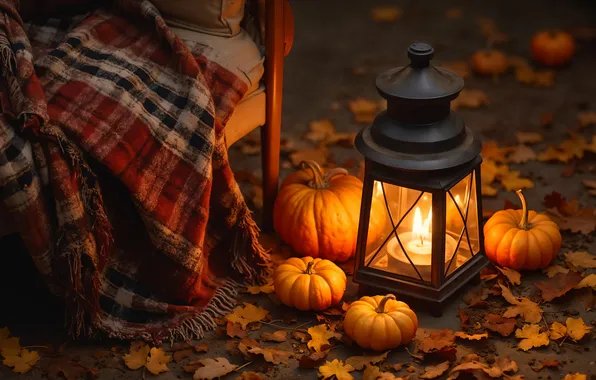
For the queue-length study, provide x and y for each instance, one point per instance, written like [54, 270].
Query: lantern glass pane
[463, 235]
[400, 231]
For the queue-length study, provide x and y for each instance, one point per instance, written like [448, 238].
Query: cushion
[248, 115]
[217, 17]
[238, 54]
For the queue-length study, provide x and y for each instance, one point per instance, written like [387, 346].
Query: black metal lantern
[420, 232]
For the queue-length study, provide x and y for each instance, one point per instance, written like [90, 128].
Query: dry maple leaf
[582, 220]
[469, 98]
[471, 364]
[529, 137]
[491, 151]
[364, 110]
[591, 185]
[475, 297]
[463, 335]
[589, 281]
[586, 118]
[529, 310]
[136, 358]
[313, 359]
[247, 314]
[531, 336]
[441, 342]
[180, 355]
[320, 155]
[320, 130]
[514, 182]
[386, 13]
[558, 285]
[553, 154]
[575, 376]
[372, 372]
[157, 362]
[266, 288]
[576, 328]
[320, 336]
[10, 346]
[272, 355]
[522, 153]
[336, 368]
[434, 371]
[557, 330]
[21, 363]
[547, 363]
[213, 368]
[581, 259]
[553, 270]
[278, 336]
[512, 275]
[234, 330]
[503, 326]
[358, 362]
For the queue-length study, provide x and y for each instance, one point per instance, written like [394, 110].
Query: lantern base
[419, 295]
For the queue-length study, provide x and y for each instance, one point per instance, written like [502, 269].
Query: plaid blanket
[114, 168]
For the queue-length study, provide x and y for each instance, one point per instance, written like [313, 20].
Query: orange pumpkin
[309, 284]
[489, 62]
[521, 239]
[317, 213]
[552, 48]
[380, 322]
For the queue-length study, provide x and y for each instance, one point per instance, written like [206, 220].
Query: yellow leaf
[22, 363]
[267, 288]
[434, 371]
[576, 328]
[247, 314]
[493, 152]
[513, 181]
[463, 335]
[575, 376]
[320, 130]
[358, 362]
[278, 336]
[336, 368]
[10, 347]
[135, 359]
[213, 369]
[157, 362]
[386, 13]
[529, 310]
[531, 337]
[553, 154]
[512, 275]
[581, 259]
[529, 137]
[589, 281]
[488, 190]
[553, 270]
[364, 110]
[320, 336]
[521, 154]
[557, 330]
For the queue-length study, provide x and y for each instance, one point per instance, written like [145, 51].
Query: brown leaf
[278, 336]
[496, 323]
[214, 368]
[546, 363]
[558, 285]
[439, 342]
[300, 336]
[180, 355]
[583, 221]
[523, 306]
[591, 185]
[512, 275]
[529, 137]
[271, 355]
[386, 13]
[531, 337]
[475, 297]
[586, 118]
[320, 130]
[312, 360]
[521, 154]
[581, 259]
[589, 299]
[464, 317]
[246, 344]
[65, 367]
[234, 330]
[469, 98]
[432, 372]
[358, 362]
[553, 270]
[488, 273]
[320, 155]
[201, 347]
[250, 376]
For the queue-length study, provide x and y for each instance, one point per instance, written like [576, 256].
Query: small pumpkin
[317, 213]
[489, 62]
[552, 48]
[521, 239]
[380, 322]
[307, 283]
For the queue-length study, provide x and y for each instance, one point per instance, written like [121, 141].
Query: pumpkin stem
[309, 266]
[523, 224]
[318, 181]
[381, 307]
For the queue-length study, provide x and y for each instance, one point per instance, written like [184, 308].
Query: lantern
[423, 165]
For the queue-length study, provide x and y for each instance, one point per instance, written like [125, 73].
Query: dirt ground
[333, 37]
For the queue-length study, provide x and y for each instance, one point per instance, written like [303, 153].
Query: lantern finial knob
[420, 54]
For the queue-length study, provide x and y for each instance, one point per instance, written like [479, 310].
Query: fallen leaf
[336, 368]
[247, 314]
[529, 137]
[271, 355]
[544, 78]
[581, 259]
[364, 110]
[591, 185]
[583, 221]
[157, 362]
[488, 273]
[463, 335]
[234, 330]
[576, 328]
[513, 181]
[440, 342]
[180, 355]
[522, 153]
[553, 270]
[558, 285]
[201, 347]
[320, 336]
[531, 337]
[10, 346]
[575, 376]
[512, 275]
[320, 155]
[250, 376]
[496, 323]
[476, 297]
[136, 358]
[432, 372]
[557, 330]
[21, 363]
[313, 359]
[589, 281]
[320, 130]
[469, 98]
[586, 118]
[372, 372]
[266, 288]
[529, 310]
[464, 317]
[278, 336]
[358, 362]
[213, 368]
[547, 363]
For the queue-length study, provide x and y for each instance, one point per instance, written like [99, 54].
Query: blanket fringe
[249, 258]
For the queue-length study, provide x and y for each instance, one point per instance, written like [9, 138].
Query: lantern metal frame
[419, 144]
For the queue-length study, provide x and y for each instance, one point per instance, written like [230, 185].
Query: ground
[333, 38]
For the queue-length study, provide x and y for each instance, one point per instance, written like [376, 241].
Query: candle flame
[421, 229]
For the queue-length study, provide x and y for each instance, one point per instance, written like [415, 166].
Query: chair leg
[270, 132]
